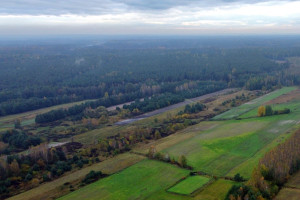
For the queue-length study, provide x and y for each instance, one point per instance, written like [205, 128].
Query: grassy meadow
[219, 148]
[189, 185]
[233, 143]
[240, 110]
[143, 180]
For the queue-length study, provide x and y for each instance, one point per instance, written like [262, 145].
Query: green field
[140, 181]
[215, 191]
[219, 148]
[234, 146]
[231, 143]
[240, 110]
[293, 106]
[56, 188]
[189, 185]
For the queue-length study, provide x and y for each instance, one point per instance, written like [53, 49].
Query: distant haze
[176, 17]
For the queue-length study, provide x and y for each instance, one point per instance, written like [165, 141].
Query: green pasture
[240, 110]
[234, 145]
[293, 106]
[189, 185]
[216, 190]
[142, 180]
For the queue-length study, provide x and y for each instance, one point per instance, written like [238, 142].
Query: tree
[182, 161]
[157, 135]
[269, 110]
[18, 124]
[238, 178]
[261, 111]
[152, 152]
[106, 96]
[14, 167]
[28, 177]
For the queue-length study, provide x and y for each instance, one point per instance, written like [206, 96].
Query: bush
[92, 176]
[28, 177]
[242, 192]
[238, 178]
[45, 178]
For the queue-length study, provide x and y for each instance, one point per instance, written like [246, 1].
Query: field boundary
[192, 194]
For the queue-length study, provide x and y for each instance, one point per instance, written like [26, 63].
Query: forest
[232, 93]
[37, 76]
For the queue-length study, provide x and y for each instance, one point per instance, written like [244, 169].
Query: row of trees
[138, 107]
[153, 154]
[18, 141]
[41, 164]
[268, 111]
[273, 171]
[194, 108]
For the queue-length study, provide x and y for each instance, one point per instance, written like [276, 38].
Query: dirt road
[187, 101]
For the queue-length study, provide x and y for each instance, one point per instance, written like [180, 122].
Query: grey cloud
[98, 7]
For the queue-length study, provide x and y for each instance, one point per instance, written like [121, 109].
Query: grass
[240, 110]
[294, 181]
[189, 185]
[175, 138]
[233, 146]
[293, 106]
[288, 193]
[140, 181]
[221, 148]
[27, 118]
[216, 191]
[292, 193]
[54, 188]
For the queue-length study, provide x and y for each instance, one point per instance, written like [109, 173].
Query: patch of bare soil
[294, 95]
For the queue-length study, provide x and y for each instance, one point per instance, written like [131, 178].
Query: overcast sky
[149, 17]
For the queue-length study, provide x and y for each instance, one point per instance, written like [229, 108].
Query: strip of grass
[139, 181]
[240, 110]
[189, 185]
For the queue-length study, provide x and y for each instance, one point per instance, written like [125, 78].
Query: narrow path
[161, 110]
[290, 187]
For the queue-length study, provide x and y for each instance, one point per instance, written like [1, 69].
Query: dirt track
[187, 101]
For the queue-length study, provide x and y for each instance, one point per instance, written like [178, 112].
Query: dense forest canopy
[36, 75]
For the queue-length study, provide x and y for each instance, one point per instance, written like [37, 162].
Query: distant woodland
[37, 76]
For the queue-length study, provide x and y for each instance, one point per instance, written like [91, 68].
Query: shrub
[238, 178]
[92, 176]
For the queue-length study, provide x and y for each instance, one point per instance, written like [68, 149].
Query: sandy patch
[286, 122]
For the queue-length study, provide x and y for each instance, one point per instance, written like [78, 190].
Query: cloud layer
[152, 16]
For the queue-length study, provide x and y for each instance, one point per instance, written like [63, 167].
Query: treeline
[283, 161]
[153, 103]
[160, 101]
[273, 171]
[18, 141]
[138, 107]
[77, 110]
[41, 164]
[195, 108]
[268, 111]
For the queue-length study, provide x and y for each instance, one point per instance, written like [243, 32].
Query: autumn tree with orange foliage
[261, 111]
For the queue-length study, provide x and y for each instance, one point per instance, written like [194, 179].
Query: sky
[151, 17]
